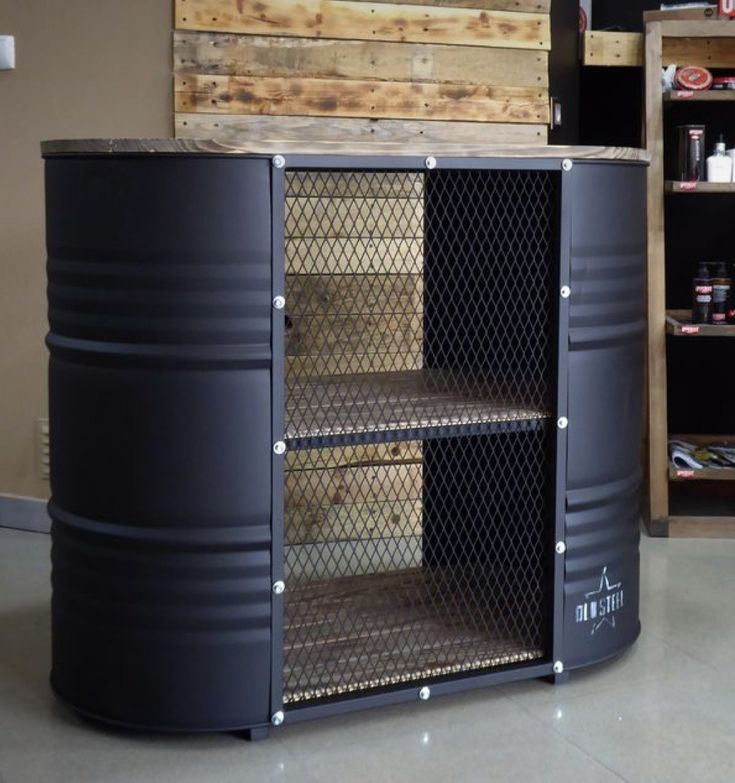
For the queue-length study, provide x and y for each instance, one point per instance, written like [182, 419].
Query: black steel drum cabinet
[330, 432]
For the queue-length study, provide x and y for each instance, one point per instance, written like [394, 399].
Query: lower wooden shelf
[694, 527]
[679, 324]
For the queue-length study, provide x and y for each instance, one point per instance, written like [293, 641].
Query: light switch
[7, 52]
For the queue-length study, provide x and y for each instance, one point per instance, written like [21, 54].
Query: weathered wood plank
[349, 333]
[303, 367]
[528, 6]
[356, 257]
[356, 456]
[353, 522]
[358, 98]
[355, 184]
[353, 217]
[242, 129]
[709, 52]
[604, 48]
[253, 55]
[320, 295]
[367, 21]
[309, 489]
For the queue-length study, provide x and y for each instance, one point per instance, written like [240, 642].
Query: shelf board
[325, 622]
[715, 96]
[349, 409]
[682, 526]
[691, 188]
[703, 474]
[679, 324]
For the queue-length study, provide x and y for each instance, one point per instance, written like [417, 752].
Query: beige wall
[84, 68]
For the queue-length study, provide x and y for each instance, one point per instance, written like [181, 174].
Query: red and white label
[690, 330]
[688, 185]
[684, 474]
[727, 7]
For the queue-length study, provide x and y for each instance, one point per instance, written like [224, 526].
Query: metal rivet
[430, 163]
[565, 292]
[279, 302]
[279, 587]
[279, 161]
[279, 447]
[562, 422]
[567, 164]
[561, 547]
[425, 693]
[277, 718]
[558, 667]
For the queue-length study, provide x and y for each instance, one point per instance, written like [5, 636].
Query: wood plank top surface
[411, 147]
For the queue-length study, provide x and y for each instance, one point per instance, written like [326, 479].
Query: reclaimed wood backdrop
[352, 70]
[461, 71]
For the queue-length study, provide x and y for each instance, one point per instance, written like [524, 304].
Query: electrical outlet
[43, 449]
[7, 52]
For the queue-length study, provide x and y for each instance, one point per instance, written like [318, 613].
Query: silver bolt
[565, 292]
[279, 161]
[430, 163]
[561, 547]
[567, 164]
[425, 693]
[277, 718]
[562, 422]
[279, 587]
[558, 667]
[279, 447]
[279, 302]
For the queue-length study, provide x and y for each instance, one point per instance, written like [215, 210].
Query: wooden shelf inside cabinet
[680, 526]
[692, 188]
[679, 324]
[697, 96]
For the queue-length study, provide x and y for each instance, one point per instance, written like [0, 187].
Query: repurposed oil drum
[166, 388]
[159, 290]
[605, 378]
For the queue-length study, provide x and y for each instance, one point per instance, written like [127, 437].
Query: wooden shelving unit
[711, 43]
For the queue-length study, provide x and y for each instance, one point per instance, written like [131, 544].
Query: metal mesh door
[419, 378]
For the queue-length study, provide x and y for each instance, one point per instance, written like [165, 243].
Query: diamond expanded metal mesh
[419, 377]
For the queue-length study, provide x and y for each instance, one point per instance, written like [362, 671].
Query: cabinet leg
[558, 679]
[256, 734]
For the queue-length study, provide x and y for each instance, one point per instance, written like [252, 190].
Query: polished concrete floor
[663, 712]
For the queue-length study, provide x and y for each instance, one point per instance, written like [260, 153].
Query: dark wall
[626, 14]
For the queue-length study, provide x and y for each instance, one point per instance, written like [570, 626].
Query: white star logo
[605, 589]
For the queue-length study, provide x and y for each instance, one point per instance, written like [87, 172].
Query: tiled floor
[663, 712]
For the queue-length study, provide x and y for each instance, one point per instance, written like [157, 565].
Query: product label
[719, 293]
[601, 605]
[727, 7]
[718, 318]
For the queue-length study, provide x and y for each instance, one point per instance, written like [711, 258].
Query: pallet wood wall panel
[219, 54]
[353, 98]
[348, 19]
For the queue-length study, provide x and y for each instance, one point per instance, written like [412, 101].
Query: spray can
[702, 296]
[721, 284]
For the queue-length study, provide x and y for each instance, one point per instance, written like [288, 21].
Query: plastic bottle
[719, 165]
[702, 299]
